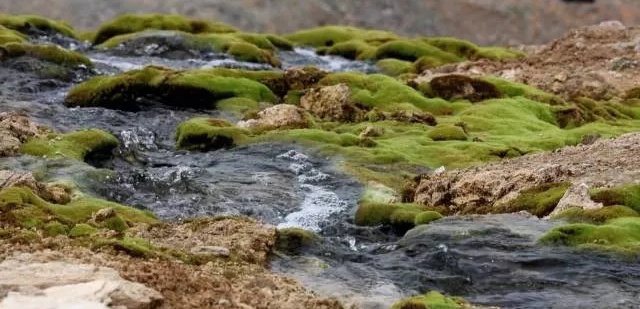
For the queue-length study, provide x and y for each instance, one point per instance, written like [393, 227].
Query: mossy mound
[395, 67]
[353, 49]
[620, 235]
[385, 93]
[412, 50]
[514, 89]
[447, 132]
[539, 201]
[398, 215]
[331, 35]
[27, 23]
[455, 46]
[596, 216]
[10, 36]
[50, 53]
[498, 53]
[22, 208]
[628, 195]
[584, 110]
[79, 145]
[430, 300]
[194, 88]
[209, 134]
[250, 47]
[293, 240]
[130, 23]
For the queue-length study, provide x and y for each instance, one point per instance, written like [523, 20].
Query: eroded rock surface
[15, 129]
[281, 116]
[332, 103]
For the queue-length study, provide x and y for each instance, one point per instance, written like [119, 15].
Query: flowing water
[490, 260]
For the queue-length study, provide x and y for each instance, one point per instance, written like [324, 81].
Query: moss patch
[209, 134]
[129, 23]
[50, 53]
[398, 215]
[628, 195]
[293, 240]
[431, 300]
[9, 36]
[596, 216]
[77, 145]
[620, 235]
[395, 67]
[427, 217]
[25, 23]
[331, 35]
[195, 88]
[539, 201]
[447, 133]
[82, 230]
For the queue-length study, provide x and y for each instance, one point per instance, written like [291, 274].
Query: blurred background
[481, 21]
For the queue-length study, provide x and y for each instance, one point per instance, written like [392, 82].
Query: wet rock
[15, 129]
[60, 284]
[576, 196]
[281, 116]
[51, 192]
[332, 103]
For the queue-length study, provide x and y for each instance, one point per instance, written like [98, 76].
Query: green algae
[595, 216]
[430, 300]
[208, 134]
[76, 145]
[130, 23]
[48, 52]
[203, 88]
[24, 23]
[621, 235]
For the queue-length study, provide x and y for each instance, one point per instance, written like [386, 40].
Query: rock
[212, 250]
[576, 196]
[332, 103]
[371, 131]
[51, 192]
[15, 129]
[299, 78]
[456, 87]
[103, 214]
[281, 116]
[411, 116]
[65, 285]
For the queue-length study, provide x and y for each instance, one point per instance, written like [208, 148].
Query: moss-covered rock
[447, 132]
[251, 53]
[430, 300]
[498, 53]
[596, 216]
[395, 67]
[129, 23]
[82, 230]
[50, 53]
[353, 49]
[209, 134]
[412, 50]
[293, 240]
[27, 23]
[620, 235]
[539, 201]
[628, 195]
[513, 89]
[10, 36]
[55, 228]
[458, 47]
[426, 217]
[398, 215]
[331, 35]
[78, 145]
[455, 87]
[194, 88]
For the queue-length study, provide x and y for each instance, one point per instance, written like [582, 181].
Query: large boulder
[27, 285]
[281, 116]
[332, 103]
[15, 129]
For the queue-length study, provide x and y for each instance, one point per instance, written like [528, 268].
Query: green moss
[431, 300]
[238, 106]
[628, 195]
[195, 88]
[620, 235]
[209, 134]
[539, 201]
[50, 53]
[427, 217]
[77, 145]
[292, 240]
[115, 223]
[353, 49]
[55, 228]
[498, 53]
[280, 42]
[398, 214]
[458, 47]
[447, 133]
[24, 23]
[82, 230]
[385, 93]
[596, 216]
[251, 53]
[394, 67]
[10, 36]
[330, 35]
[129, 23]
[135, 247]
[412, 50]
[514, 89]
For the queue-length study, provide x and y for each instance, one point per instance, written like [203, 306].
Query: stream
[491, 260]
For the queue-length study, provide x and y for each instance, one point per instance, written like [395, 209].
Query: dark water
[490, 260]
